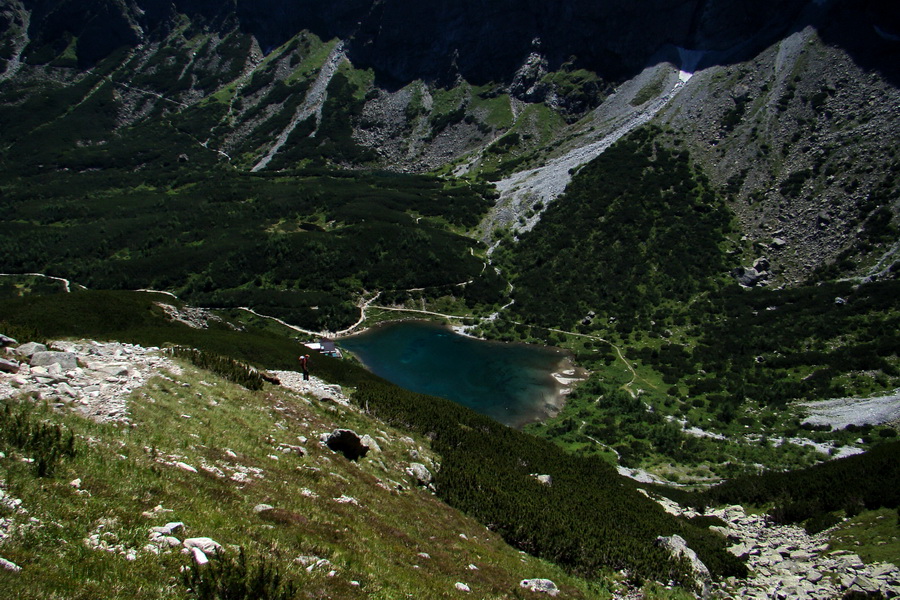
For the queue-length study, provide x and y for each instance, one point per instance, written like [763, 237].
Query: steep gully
[312, 104]
[524, 190]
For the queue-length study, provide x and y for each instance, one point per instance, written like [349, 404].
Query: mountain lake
[510, 382]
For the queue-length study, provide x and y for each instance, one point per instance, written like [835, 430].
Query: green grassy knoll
[486, 469]
[873, 535]
[121, 469]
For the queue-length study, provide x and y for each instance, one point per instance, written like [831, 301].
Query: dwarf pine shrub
[46, 443]
[237, 578]
[230, 369]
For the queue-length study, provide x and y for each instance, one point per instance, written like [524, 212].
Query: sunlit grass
[873, 535]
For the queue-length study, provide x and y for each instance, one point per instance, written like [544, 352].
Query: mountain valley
[697, 200]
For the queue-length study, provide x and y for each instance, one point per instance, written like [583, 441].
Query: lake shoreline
[561, 375]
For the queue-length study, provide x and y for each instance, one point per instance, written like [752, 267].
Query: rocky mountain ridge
[792, 113]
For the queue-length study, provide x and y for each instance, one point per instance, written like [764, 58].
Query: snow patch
[688, 61]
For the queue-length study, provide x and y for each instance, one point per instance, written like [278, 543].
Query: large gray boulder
[65, 360]
[347, 443]
[749, 277]
[27, 350]
[420, 473]
[677, 547]
[368, 440]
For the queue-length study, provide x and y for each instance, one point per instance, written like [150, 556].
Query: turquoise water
[510, 383]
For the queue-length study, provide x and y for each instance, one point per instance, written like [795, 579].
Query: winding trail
[67, 285]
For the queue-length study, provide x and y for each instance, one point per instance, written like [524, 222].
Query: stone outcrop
[91, 378]
[787, 563]
[420, 473]
[677, 547]
[65, 360]
[28, 349]
[9, 565]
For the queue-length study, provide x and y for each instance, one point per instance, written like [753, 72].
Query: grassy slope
[194, 417]
[489, 450]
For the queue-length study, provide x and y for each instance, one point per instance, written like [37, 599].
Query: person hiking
[304, 365]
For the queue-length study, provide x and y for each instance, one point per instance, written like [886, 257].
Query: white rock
[262, 508]
[420, 473]
[544, 586]
[368, 440]
[199, 556]
[462, 587]
[174, 526]
[185, 467]
[9, 565]
[205, 544]
[543, 479]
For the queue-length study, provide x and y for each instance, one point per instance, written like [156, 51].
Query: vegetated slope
[817, 495]
[587, 519]
[247, 470]
[282, 246]
[487, 470]
[638, 226]
[639, 253]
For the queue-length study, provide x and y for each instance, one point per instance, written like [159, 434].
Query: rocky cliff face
[793, 109]
[407, 40]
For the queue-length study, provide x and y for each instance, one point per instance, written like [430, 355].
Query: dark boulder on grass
[346, 442]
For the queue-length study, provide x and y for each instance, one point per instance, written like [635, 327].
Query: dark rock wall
[403, 40]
